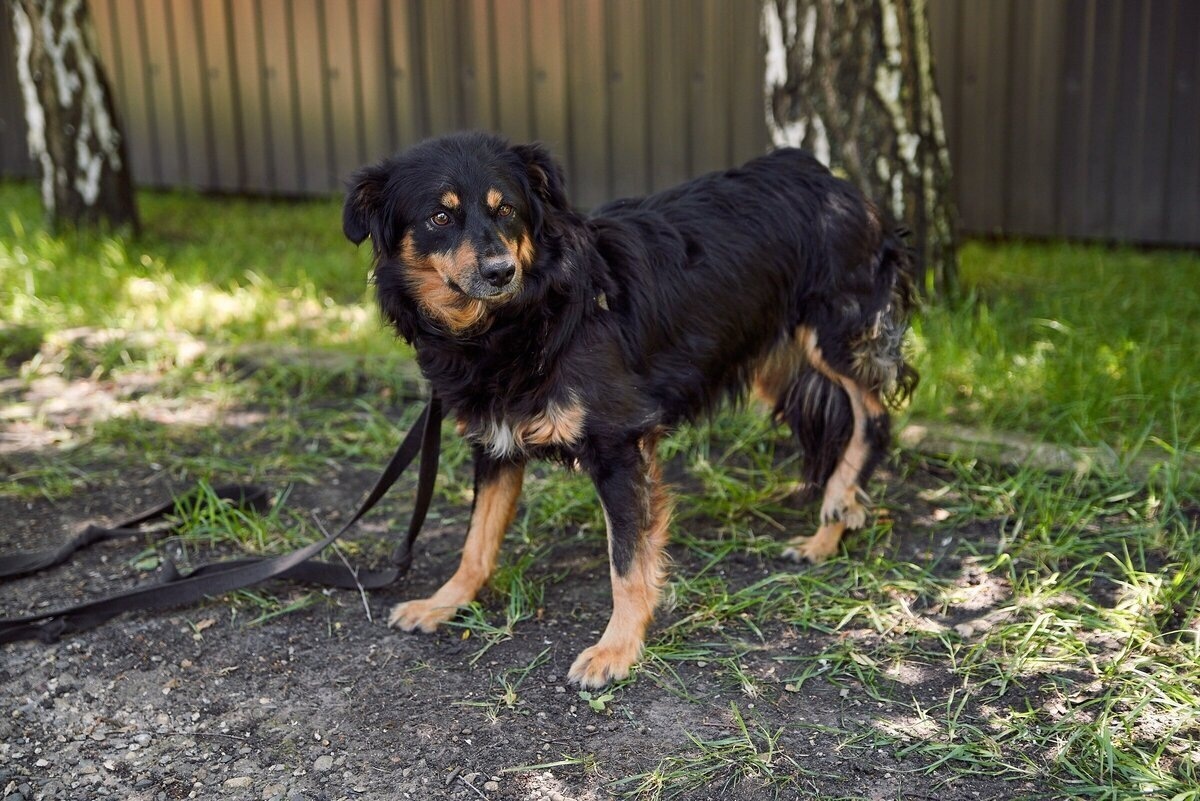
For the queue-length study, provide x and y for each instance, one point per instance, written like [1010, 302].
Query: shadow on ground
[327, 703]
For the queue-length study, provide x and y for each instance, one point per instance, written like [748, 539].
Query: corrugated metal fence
[1075, 118]
[1066, 117]
[288, 96]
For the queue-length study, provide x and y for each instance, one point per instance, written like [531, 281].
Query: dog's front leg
[497, 488]
[637, 513]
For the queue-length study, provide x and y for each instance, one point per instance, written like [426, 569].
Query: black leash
[220, 577]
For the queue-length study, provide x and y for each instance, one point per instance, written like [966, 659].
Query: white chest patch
[499, 440]
[559, 424]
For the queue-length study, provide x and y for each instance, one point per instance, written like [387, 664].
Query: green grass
[1067, 636]
[1079, 344]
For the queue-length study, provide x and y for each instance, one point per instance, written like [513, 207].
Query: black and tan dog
[553, 335]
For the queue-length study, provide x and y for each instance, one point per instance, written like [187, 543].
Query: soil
[325, 703]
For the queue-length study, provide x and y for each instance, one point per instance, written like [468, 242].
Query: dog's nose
[498, 272]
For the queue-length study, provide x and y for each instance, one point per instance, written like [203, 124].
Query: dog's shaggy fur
[550, 334]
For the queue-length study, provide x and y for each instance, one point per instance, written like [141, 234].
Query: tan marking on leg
[841, 491]
[635, 595]
[873, 404]
[493, 198]
[807, 337]
[450, 200]
[494, 510]
[840, 506]
[776, 372]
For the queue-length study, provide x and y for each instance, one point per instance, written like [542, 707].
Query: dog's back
[714, 276]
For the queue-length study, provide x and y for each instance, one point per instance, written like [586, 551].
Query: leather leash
[178, 589]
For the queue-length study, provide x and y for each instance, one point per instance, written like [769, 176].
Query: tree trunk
[74, 136]
[852, 81]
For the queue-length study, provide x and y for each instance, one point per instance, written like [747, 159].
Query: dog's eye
[441, 218]
[505, 210]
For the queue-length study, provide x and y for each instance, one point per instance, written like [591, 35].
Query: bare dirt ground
[323, 703]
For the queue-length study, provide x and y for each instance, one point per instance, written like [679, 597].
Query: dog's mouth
[482, 291]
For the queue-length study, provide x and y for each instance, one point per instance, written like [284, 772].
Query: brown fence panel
[14, 154]
[1074, 118]
[1183, 173]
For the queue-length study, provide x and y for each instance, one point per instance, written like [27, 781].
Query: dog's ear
[545, 176]
[363, 213]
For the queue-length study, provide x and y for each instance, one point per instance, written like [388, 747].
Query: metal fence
[1076, 118]
[1071, 118]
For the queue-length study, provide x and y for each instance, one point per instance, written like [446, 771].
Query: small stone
[491, 787]
[238, 782]
[323, 763]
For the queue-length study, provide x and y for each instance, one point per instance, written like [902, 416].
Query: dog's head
[455, 225]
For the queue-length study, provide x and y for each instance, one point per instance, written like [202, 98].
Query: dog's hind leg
[497, 488]
[637, 513]
[845, 431]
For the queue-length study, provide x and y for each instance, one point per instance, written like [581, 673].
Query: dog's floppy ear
[545, 176]
[363, 213]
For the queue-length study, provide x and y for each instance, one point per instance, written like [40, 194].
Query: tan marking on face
[635, 595]
[495, 505]
[521, 250]
[450, 200]
[427, 277]
[493, 199]
[559, 424]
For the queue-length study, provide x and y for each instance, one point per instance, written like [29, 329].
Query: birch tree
[853, 82]
[74, 137]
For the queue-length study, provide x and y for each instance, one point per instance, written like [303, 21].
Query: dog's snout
[498, 271]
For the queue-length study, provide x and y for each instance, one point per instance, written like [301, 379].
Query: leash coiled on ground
[178, 589]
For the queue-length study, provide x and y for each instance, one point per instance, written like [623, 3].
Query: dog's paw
[423, 615]
[604, 663]
[854, 516]
[817, 548]
[845, 509]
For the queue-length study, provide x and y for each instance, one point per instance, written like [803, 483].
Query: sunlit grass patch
[1077, 343]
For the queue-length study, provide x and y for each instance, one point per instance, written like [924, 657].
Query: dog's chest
[556, 425]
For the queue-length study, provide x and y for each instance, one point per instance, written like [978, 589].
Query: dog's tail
[879, 349]
[818, 409]
[819, 414]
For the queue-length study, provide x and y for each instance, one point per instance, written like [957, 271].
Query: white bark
[35, 118]
[852, 82]
[73, 135]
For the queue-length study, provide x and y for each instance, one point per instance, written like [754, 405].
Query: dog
[549, 334]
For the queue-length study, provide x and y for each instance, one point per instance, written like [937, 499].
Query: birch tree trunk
[852, 81]
[74, 136]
